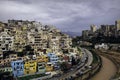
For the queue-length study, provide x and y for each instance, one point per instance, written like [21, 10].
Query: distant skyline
[67, 15]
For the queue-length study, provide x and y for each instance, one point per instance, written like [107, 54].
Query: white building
[54, 43]
[101, 46]
[6, 41]
[93, 28]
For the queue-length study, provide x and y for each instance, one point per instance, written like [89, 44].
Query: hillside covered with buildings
[28, 47]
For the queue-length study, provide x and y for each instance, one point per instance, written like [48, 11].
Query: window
[10, 41]
[41, 68]
[17, 63]
[27, 72]
[18, 67]
[49, 64]
[3, 48]
[14, 69]
[21, 68]
[40, 64]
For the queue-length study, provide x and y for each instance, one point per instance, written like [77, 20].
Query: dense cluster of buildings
[28, 47]
[104, 31]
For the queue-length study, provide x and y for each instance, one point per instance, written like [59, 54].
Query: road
[107, 71]
[75, 69]
[87, 60]
[90, 57]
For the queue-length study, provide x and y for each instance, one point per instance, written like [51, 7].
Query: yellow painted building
[42, 58]
[49, 67]
[45, 58]
[30, 67]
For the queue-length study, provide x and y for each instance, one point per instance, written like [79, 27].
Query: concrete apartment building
[6, 41]
[30, 67]
[17, 68]
[117, 24]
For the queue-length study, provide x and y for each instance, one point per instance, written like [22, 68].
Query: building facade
[6, 41]
[49, 67]
[17, 68]
[30, 67]
[41, 67]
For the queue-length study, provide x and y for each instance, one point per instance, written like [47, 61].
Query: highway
[90, 57]
[86, 60]
[89, 60]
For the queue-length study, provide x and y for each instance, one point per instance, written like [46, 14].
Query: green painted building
[41, 67]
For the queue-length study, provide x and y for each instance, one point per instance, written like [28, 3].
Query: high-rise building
[117, 23]
[117, 27]
[93, 28]
[108, 30]
[105, 28]
[85, 34]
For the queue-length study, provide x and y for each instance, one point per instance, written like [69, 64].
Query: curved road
[107, 71]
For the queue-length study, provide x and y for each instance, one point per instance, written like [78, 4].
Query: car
[89, 67]
[81, 72]
[48, 73]
[71, 69]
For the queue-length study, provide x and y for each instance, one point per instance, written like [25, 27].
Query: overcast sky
[67, 15]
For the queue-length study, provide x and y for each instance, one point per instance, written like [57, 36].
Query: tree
[73, 61]
[64, 66]
[28, 50]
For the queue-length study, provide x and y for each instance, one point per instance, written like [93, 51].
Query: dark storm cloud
[72, 15]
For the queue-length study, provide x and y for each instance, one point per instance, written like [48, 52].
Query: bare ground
[107, 71]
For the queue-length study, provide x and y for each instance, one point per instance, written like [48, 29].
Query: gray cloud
[72, 15]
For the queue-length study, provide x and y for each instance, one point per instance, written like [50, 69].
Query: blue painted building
[17, 67]
[53, 58]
